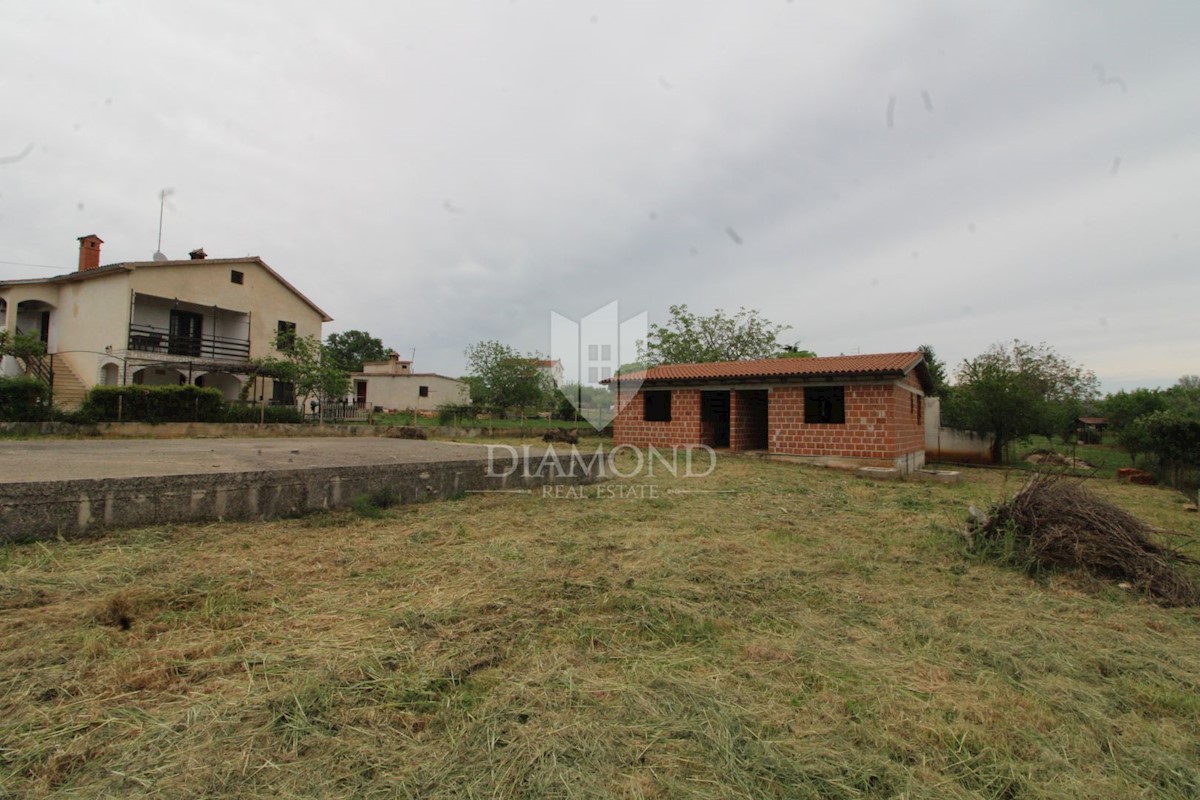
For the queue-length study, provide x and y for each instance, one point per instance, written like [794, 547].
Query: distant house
[161, 322]
[551, 368]
[863, 410]
[392, 386]
[1091, 429]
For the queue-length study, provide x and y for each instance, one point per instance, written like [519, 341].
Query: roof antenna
[162, 201]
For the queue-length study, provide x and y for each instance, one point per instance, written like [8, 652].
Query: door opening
[750, 425]
[185, 333]
[714, 419]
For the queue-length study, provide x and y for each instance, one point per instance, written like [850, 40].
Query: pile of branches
[1053, 522]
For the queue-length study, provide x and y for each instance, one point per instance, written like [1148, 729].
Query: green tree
[307, 365]
[1184, 397]
[1122, 408]
[1174, 439]
[21, 345]
[1017, 390]
[503, 379]
[793, 351]
[688, 338]
[1134, 438]
[476, 389]
[24, 399]
[937, 370]
[591, 397]
[350, 349]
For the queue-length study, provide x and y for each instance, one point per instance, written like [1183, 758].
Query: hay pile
[404, 432]
[561, 435]
[1054, 522]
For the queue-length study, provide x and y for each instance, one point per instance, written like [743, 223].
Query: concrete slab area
[68, 488]
[67, 459]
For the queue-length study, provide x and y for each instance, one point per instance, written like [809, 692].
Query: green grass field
[1103, 460]
[777, 631]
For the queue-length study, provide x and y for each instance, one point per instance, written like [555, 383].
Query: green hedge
[175, 404]
[24, 400]
[154, 404]
[451, 414]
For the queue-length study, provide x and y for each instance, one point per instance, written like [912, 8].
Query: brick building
[864, 410]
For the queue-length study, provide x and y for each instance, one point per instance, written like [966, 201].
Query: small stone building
[862, 410]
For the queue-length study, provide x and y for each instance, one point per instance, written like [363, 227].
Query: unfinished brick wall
[865, 434]
[747, 420]
[908, 416]
[683, 429]
[884, 421]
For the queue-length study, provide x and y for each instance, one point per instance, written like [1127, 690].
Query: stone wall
[48, 509]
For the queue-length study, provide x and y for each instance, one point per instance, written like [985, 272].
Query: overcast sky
[877, 176]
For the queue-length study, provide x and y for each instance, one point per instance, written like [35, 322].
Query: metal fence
[152, 339]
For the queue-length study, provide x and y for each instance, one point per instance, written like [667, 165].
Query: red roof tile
[878, 364]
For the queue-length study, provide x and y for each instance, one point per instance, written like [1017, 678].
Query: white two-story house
[199, 321]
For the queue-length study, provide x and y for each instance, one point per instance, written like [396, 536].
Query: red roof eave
[880, 365]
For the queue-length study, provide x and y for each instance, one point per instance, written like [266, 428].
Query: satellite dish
[160, 256]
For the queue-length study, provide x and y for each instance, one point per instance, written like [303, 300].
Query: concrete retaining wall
[47, 509]
[951, 444]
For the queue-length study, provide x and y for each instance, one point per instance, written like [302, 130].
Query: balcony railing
[151, 339]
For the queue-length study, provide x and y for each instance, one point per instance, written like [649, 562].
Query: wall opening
[714, 419]
[656, 406]
[283, 393]
[158, 376]
[825, 405]
[229, 385]
[750, 425]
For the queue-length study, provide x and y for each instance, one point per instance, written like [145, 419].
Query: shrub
[375, 503]
[24, 399]
[565, 409]
[78, 416]
[154, 404]
[451, 414]
[1174, 440]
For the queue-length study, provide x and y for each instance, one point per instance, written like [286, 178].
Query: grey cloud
[439, 176]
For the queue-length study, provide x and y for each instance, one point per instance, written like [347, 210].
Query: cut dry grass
[1054, 522]
[808, 634]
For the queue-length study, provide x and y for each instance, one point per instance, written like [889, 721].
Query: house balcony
[173, 330]
[162, 341]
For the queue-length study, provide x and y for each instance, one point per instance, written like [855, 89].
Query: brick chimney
[89, 252]
[198, 254]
